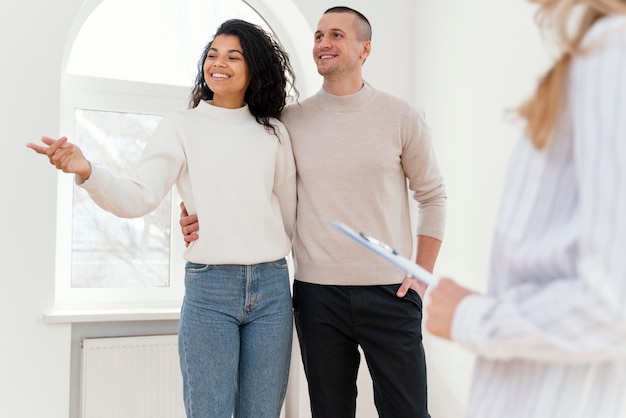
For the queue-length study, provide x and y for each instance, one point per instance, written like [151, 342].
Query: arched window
[127, 64]
[151, 41]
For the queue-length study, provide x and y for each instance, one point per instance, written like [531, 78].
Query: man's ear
[366, 49]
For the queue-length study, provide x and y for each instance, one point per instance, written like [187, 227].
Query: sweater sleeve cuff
[467, 319]
[95, 180]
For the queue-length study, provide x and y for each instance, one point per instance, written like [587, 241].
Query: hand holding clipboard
[388, 253]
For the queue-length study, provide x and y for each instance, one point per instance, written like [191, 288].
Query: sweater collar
[348, 103]
[222, 113]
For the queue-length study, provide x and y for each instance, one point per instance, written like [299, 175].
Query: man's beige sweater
[355, 156]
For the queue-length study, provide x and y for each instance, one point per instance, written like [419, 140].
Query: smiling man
[355, 149]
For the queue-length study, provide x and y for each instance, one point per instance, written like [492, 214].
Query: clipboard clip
[387, 252]
[379, 243]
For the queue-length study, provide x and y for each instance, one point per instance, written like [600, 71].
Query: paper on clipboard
[388, 253]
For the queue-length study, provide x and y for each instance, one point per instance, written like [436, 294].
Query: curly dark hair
[271, 75]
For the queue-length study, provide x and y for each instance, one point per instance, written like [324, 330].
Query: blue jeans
[234, 339]
[333, 321]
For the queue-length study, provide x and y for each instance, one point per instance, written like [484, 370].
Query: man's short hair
[364, 28]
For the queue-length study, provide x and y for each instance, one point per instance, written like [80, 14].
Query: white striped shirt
[550, 335]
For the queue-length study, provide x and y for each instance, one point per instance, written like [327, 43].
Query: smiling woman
[230, 158]
[115, 91]
[226, 72]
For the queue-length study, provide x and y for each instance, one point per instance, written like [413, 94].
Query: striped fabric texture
[550, 335]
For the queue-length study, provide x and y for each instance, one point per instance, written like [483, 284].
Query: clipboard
[388, 253]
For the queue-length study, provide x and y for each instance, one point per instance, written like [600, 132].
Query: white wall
[34, 381]
[464, 61]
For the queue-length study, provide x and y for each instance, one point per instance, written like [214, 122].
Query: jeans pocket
[196, 268]
[282, 263]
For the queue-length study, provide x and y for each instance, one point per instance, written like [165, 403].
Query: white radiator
[131, 377]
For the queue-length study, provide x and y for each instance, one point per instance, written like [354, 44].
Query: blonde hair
[541, 111]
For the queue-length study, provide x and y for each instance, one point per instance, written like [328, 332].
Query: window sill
[66, 316]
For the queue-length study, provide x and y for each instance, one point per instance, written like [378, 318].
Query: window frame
[81, 92]
[78, 91]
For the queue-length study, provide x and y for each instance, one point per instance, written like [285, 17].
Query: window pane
[109, 251]
[153, 41]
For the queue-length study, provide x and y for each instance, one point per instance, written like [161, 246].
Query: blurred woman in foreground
[550, 334]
